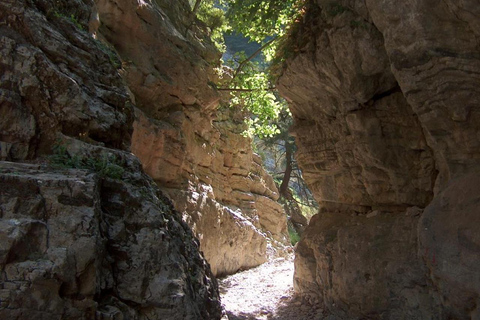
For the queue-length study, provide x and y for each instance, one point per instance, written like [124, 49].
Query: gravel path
[264, 293]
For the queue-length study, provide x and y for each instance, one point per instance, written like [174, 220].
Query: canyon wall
[385, 98]
[189, 144]
[84, 232]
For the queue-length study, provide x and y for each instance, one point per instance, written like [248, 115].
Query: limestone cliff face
[385, 99]
[75, 244]
[186, 142]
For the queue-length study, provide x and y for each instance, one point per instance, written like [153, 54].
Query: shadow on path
[290, 308]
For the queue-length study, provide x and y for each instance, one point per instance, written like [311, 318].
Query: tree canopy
[250, 83]
[261, 20]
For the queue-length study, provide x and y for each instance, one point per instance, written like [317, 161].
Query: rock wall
[190, 146]
[384, 98]
[77, 243]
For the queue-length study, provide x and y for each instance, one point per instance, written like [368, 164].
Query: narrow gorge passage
[266, 292]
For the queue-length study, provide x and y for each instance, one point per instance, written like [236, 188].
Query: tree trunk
[193, 15]
[293, 210]
[284, 192]
[195, 7]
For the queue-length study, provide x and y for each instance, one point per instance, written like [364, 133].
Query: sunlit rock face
[216, 182]
[75, 244]
[384, 96]
[193, 148]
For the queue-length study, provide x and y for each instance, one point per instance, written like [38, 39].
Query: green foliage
[62, 159]
[265, 22]
[293, 234]
[212, 16]
[259, 19]
[112, 55]
[251, 85]
[252, 90]
[72, 18]
[104, 166]
[214, 19]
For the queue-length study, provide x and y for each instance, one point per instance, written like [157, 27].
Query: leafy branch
[245, 89]
[252, 56]
[249, 84]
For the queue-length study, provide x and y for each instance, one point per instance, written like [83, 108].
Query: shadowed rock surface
[56, 79]
[82, 244]
[385, 99]
[78, 247]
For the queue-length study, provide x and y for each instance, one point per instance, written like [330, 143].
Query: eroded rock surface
[358, 265]
[450, 244]
[217, 182]
[189, 145]
[385, 96]
[56, 79]
[82, 244]
[78, 247]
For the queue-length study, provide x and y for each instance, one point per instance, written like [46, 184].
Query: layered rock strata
[82, 243]
[192, 148]
[384, 97]
[218, 184]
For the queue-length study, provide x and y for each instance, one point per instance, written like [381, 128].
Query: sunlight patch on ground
[265, 293]
[258, 291]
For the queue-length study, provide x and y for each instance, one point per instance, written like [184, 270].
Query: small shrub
[293, 234]
[112, 55]
[105, 166]
[72, 18]
[62, 159]
[75, 21]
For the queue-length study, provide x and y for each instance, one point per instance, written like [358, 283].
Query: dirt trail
[266, 292]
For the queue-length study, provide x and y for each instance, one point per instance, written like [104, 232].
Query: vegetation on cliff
[249, 78]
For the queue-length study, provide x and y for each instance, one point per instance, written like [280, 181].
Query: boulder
[364, 266]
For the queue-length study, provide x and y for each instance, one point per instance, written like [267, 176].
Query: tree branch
[245, 89]
[302, 203]
[193, 15]
[253, 55]
[196, 6]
